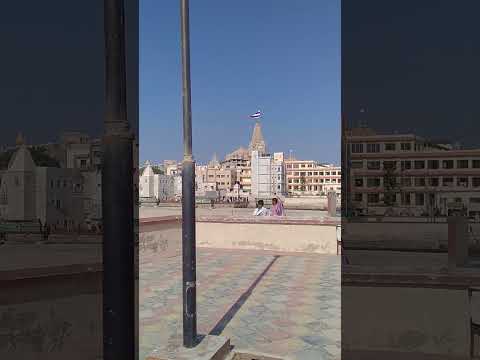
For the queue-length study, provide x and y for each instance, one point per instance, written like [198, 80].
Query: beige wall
[319, 239]
[41, 316]
[428, 235]
[164, 237]
[415, 321]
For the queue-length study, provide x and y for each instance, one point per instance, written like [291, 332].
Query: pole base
[210, 347]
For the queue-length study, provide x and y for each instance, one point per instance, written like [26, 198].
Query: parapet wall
[163, 235]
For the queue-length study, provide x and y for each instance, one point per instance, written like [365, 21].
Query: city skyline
[272, 67]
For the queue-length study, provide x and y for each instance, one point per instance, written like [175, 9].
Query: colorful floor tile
[281, 305]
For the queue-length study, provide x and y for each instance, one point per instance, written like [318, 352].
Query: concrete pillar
[332, 203]
[457, 241]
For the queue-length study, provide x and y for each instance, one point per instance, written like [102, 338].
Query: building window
[373, 148]
[315, 173]
[334, 173]
[356, 164]
[462, 164]
[419, 199]
[358, 197]
[433, 164]
[58, 204]
[310, 173]
[476, 182]
[389, 165]
[447, 181]
[373, 165]
[83, 163]
[373, 182]
[447, 164]
[405, 198]
[434, 181]
[406, 146]
[390, 147]
[373, 198]
[357, 148]
[390, 199]
[476, 164]
[462, 181]
[320, 173]
[406, 181]
[419, 164]
[358, 182]
[419, 182]
[406, 165]
[51, 184]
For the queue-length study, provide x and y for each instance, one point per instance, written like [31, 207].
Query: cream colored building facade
[308, 177]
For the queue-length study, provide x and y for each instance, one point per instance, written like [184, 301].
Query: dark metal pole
[119, 328]
[188, 193]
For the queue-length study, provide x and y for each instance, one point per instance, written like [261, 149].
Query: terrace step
[210, 347]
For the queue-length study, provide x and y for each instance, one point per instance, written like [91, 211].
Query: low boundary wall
[163, 235]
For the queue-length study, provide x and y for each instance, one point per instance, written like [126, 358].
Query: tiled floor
[281, 305]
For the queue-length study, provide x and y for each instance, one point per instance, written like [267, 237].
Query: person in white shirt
[260, 210]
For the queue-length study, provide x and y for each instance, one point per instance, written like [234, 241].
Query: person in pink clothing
[277, 208]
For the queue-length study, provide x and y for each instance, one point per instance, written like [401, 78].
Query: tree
[302, 182]
[390, 187]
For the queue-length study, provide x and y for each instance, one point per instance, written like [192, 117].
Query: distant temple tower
[257, 143]
[17, 188]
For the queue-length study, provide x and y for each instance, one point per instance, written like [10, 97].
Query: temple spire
[257, 143]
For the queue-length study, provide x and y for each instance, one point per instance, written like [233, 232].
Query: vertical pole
[117, 197]
[188, 192]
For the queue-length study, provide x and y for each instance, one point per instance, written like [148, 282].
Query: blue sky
[280, 56]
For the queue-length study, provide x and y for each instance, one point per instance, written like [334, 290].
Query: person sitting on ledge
[260, 210]
[277, 208]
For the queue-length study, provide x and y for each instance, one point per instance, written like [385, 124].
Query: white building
[268, 175]
[156, 186]
[92, 194]
[49, 194]
[165, 187]
[177, 186]
[146, 184]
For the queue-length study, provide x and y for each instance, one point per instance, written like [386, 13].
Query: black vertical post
[117, 197]
[188, 192]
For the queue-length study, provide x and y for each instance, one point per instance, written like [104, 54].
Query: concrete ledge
[145, 222]
[431, 280]
[209, 348]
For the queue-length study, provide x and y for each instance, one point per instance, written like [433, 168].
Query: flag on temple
[257, 115]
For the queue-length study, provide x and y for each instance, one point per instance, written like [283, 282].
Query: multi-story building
[268, 175]
[52, 195]
[173, 169]
[406, 174]
[223, 178]
[156, 186]
[308, 177]
[202, 185]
